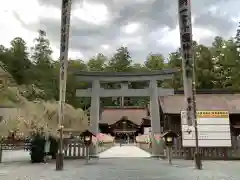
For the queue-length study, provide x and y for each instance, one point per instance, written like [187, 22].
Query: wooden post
[188, 66]
[87, 155]
[59, 161]
[1, 152]
[225, 153]
[65, 25]
[169, 151]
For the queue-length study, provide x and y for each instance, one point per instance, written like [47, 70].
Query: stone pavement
[16, 155]
[122, 169]
[124, 151]
[117, 151]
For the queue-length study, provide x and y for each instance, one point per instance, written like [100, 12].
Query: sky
[102, 26]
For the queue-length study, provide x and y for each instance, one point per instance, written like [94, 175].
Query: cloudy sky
[143, 26]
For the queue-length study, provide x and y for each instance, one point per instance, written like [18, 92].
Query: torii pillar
[94, 114]
[157, 145]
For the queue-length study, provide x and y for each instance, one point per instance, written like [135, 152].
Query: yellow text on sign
[212, 114]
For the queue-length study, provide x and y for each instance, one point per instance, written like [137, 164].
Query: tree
[155, 62]
[21, 68]
[235, 48]
[231, 64]
[6, 58]
[175, 61]
[217, 57]
[42, 51]
[237, 38]
[44, 73]
[204, 66]
[73, 83]
[121, 61]
[226, 63]
[217, 66]
[97, 63]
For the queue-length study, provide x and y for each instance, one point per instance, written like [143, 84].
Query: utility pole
[65, 25]
[188, 68]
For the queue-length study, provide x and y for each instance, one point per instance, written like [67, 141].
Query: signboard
[213, 129]
[147, 130]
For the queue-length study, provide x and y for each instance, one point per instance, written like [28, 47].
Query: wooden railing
[73, 148]
[12, 144]
[208, 153]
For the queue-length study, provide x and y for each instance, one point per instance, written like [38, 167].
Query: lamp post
[168, 138]
[65, 23]
[188, 68]
[87, 138]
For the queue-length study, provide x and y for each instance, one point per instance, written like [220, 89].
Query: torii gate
[153, 91]
[188, 66]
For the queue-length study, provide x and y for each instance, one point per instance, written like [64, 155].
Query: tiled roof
[228, 102]
[111, 116]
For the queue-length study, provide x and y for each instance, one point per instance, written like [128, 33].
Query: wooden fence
[11, 144]
[73, 148]
[208, 153]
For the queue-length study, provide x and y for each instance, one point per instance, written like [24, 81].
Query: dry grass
[38, 115]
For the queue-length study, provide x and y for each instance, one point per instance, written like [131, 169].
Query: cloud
[103, 25]
[12, 27]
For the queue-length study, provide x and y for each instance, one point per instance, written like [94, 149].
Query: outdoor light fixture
[87, 138]
[169, 142]
[169, 139]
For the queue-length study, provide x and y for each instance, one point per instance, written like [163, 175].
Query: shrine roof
[205, 102]
[113, 115]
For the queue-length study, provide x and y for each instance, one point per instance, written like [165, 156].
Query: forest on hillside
[217, 67]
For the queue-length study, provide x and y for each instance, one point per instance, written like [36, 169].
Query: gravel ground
[121, 169]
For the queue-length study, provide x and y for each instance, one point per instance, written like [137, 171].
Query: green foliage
[217, 66]
[155, 62]
[121, 61]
